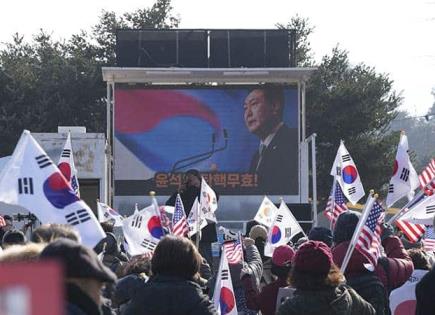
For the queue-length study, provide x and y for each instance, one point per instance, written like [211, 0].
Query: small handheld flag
[179, 221]
[346, 173]
[223, 298]
[67, 167]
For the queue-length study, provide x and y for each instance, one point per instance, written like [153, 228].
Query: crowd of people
[303, 277]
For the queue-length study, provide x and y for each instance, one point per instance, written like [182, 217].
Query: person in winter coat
[85, 276]
[134, 276]
[393, 272]
[252, 266]
[172, 288]
[265, 301]
[319, 286]
[259, 234]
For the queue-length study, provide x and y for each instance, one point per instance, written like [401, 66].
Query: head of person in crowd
[321, 234]
[47, 233]
[263, 109]
[84, 273]
[192, 178]
[282, 260]
[259, 234]
[139, 265]
[313, 267]
[176, 257]
[345, 226]
[13, 237]
[109, 245]
[419, 259]
[21, 253]
[108, 226]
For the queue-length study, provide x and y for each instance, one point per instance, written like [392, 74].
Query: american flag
[429, 239]
[179, 222]
[426, 177]
[234, 251]
[412, 231]
[2, 221]
[369, 239]
[336, 205]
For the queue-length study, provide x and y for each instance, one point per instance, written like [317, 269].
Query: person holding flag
[189, 191]
[389, 272]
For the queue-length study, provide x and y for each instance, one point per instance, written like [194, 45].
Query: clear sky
[394, 36]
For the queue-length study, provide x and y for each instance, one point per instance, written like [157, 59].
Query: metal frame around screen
[197, 77]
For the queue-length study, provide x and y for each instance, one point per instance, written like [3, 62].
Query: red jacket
[399, 268]
[266, 300]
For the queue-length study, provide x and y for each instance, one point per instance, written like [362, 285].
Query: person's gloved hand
[248, 241]
[387, 231]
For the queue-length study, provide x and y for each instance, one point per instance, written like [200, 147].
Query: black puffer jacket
[341, 300]
[163, 295]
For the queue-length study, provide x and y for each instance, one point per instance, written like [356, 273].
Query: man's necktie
[260, 156]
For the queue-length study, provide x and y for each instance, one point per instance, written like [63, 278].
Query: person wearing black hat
[321, 234]
[84, 275]
[189, 190]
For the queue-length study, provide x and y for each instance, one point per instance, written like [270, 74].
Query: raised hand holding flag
[33, 181]
[346, 173]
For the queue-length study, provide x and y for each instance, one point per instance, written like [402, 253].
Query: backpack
[371, 289]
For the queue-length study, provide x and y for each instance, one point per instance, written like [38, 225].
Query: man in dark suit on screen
[276, 160]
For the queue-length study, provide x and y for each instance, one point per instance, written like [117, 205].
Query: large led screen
[243, 140]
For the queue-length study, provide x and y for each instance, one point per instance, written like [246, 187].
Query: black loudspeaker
[249, 48]
[192, 49]
[157, 49]
[161, 48]
[127, 48]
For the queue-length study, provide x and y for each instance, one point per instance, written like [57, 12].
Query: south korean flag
[67, 167]
[283, 228]
[405, 179]
[31, 180]
[224, 299]
[346, 173]
[142, 231]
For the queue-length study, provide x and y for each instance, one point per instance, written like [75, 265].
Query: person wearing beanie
[265, 301]
[259, 234]
[84, 274]
[319, 284]
[393, 270]
[321, 234]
